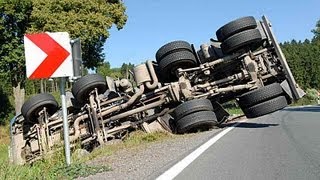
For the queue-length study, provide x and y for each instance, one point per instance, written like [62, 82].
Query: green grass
[136, 139]
[55, 168]
[57, 96]
[140, 137]
[304, 101]
[234, 110]
[309, 99]
[232, 107]
[4, 134]
[50, 168]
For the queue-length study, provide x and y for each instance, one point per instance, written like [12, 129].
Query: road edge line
[181, 165]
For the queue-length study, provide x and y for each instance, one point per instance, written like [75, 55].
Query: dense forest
[304, 59]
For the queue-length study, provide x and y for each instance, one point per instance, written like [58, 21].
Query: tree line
[304, 61]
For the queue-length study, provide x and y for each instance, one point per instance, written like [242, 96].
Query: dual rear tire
[239, 34]
[86, 84]
[174, 55]
[193, 116]
[263, 101]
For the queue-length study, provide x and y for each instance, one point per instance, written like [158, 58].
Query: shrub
[6, 108]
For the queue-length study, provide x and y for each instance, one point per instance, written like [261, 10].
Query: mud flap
[155, 126]
[221, 113]
[286, 88]
[161, 124]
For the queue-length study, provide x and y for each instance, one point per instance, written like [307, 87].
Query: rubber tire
[83, 86]
[240, 40]
[198, 121]
[171, 47]
[260, 95]
[35, 104]
[192, 106]
[169, 64]
[235, 27]
[266, 107]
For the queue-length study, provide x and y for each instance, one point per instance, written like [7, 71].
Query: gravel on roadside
[150, 160]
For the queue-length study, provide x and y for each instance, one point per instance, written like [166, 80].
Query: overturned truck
[181, 92]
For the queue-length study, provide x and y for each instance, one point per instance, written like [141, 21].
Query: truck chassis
[181, 92]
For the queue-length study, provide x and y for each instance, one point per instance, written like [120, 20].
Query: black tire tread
[260, 95]
[240, 40]
[171, 47]
[235, 27]
[177, 56]
[87, 83]
[266, 107]
[35, 103]
[196, 121]
[192, 106]
[182, 59]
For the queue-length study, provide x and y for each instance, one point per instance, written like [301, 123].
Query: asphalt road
[282, 145]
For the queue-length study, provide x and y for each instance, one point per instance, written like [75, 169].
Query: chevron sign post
[48, 55]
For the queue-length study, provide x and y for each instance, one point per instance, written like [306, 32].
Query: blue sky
[152, 23]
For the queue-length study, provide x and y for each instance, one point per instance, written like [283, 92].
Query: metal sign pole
[76, 57]
[65, 120]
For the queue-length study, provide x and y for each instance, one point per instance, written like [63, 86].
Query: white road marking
[181, 165]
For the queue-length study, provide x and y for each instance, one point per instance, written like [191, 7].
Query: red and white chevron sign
[48, 55]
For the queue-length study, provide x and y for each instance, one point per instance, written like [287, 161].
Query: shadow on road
[249, 125]
[307, 109]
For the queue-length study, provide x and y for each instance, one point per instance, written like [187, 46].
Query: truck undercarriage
[181, 92]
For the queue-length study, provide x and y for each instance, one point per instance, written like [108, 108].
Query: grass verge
[4, 135]
[55, 168]
[136, 139]
[50, 168]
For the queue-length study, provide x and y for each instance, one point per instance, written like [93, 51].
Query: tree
[5, 105]
[105, 70]
[89, 20]
[14, 21]
[316, 31]
[125, 68]
[304, 61]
